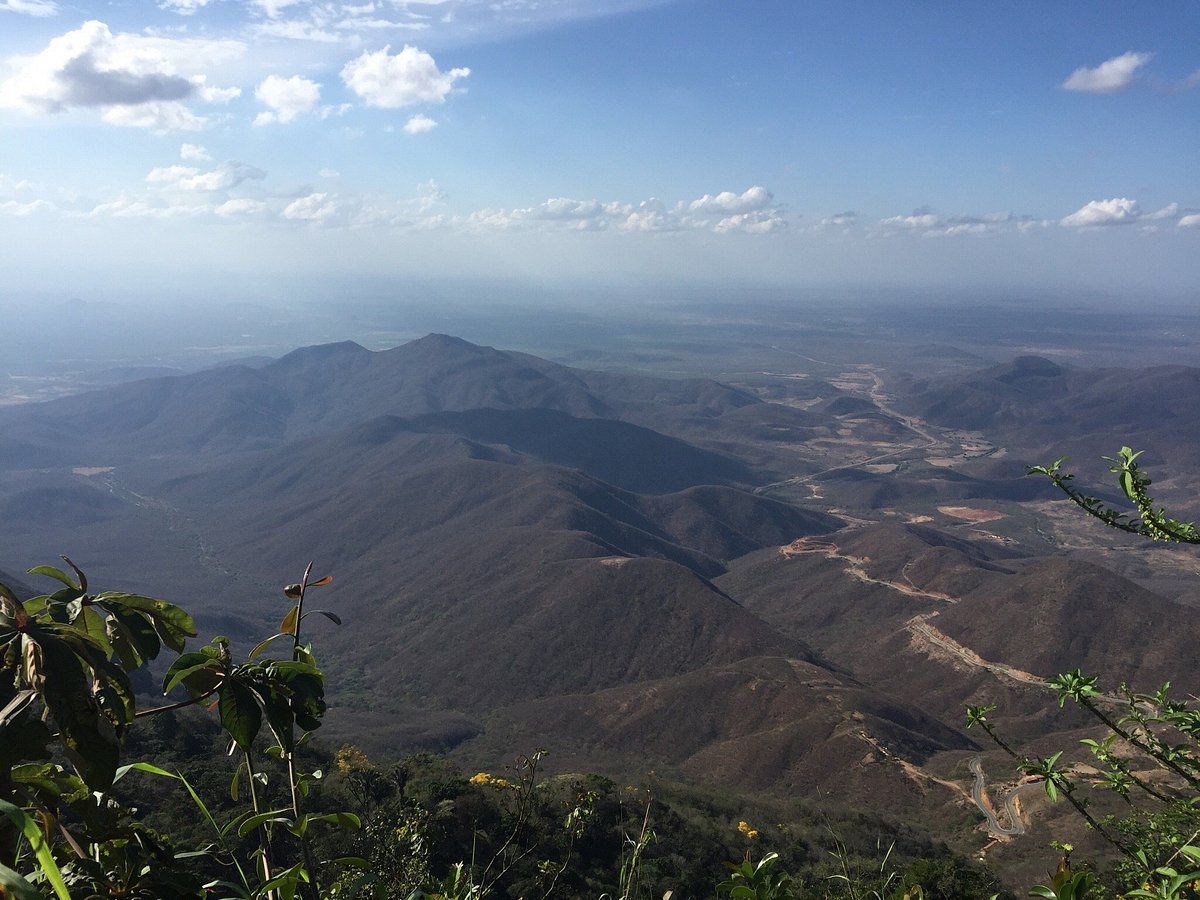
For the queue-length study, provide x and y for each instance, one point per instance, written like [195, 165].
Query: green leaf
[278, 815]
[262, 645]
[340, 819]
[187, 666]
[14, 884]
[144, 767]
[56, 574]
[29, 828]
[132, 636]
[89, 738]
[173, 625]
[288, 625]
[240, 714]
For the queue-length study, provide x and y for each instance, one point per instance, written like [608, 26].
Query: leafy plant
[65, 664]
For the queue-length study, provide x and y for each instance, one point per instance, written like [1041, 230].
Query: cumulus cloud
[240, 207]
[1170, 211]
[313, 208]
[286, 97]
[137, 80]
[38, 8]
[840, 220]
[404, 79]
[157, 117]
[925, 223]
[752, 199]
[1190, 221]
[183, 7]
[273, 8]
[1111, 75]
[419, 124]
[1099, 213]
[22, 210]
[917, 221]
[750, 212]
[193, 153]
[125, 207]
[185, 178]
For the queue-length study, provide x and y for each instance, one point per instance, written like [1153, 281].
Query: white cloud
[1170, 211]
[1190, 221]
[160, 118]
[193, 153]
[240, 207]
[185, 178]
[313, 208]
[1117, 211]
[183, 7]
[125, 207]
[297, 31]
[840, 220]
[917, 221]
[273, 8]
[760, 221]
[137, 80]
[287, 98]
[419, 124]
[405, 79]
[711, 212]
[38, 8]
[329, 173]
[754, 198]
[1111, 75]
[21, 210]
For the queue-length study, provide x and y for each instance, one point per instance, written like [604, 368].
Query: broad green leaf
[89, 738]
[18, 887]
[280, 715]
[262, 645]
[132, 635]
[288, 625]
[173, 625]
[279, 815]
[240, 713]
[92, 624]
[56, 574]
[187, 666]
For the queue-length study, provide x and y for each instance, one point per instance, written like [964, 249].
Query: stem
[264, 835]
[180, 705]
[1091, 707]
[313, 888]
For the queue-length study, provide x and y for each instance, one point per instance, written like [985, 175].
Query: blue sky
[198, 142]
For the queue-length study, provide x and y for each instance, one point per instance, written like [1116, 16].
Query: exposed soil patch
[971, 514]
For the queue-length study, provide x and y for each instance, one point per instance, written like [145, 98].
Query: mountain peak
[323, 352]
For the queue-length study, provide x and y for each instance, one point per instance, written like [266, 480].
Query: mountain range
[632, 570]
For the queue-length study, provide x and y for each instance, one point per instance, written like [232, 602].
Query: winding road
[1017, 826]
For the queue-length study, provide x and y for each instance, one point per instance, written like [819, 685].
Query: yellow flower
[485, 778]
[744, 828]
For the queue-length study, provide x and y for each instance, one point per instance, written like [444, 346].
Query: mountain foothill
[528, 554]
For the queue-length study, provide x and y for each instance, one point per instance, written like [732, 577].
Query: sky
[193, 146]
